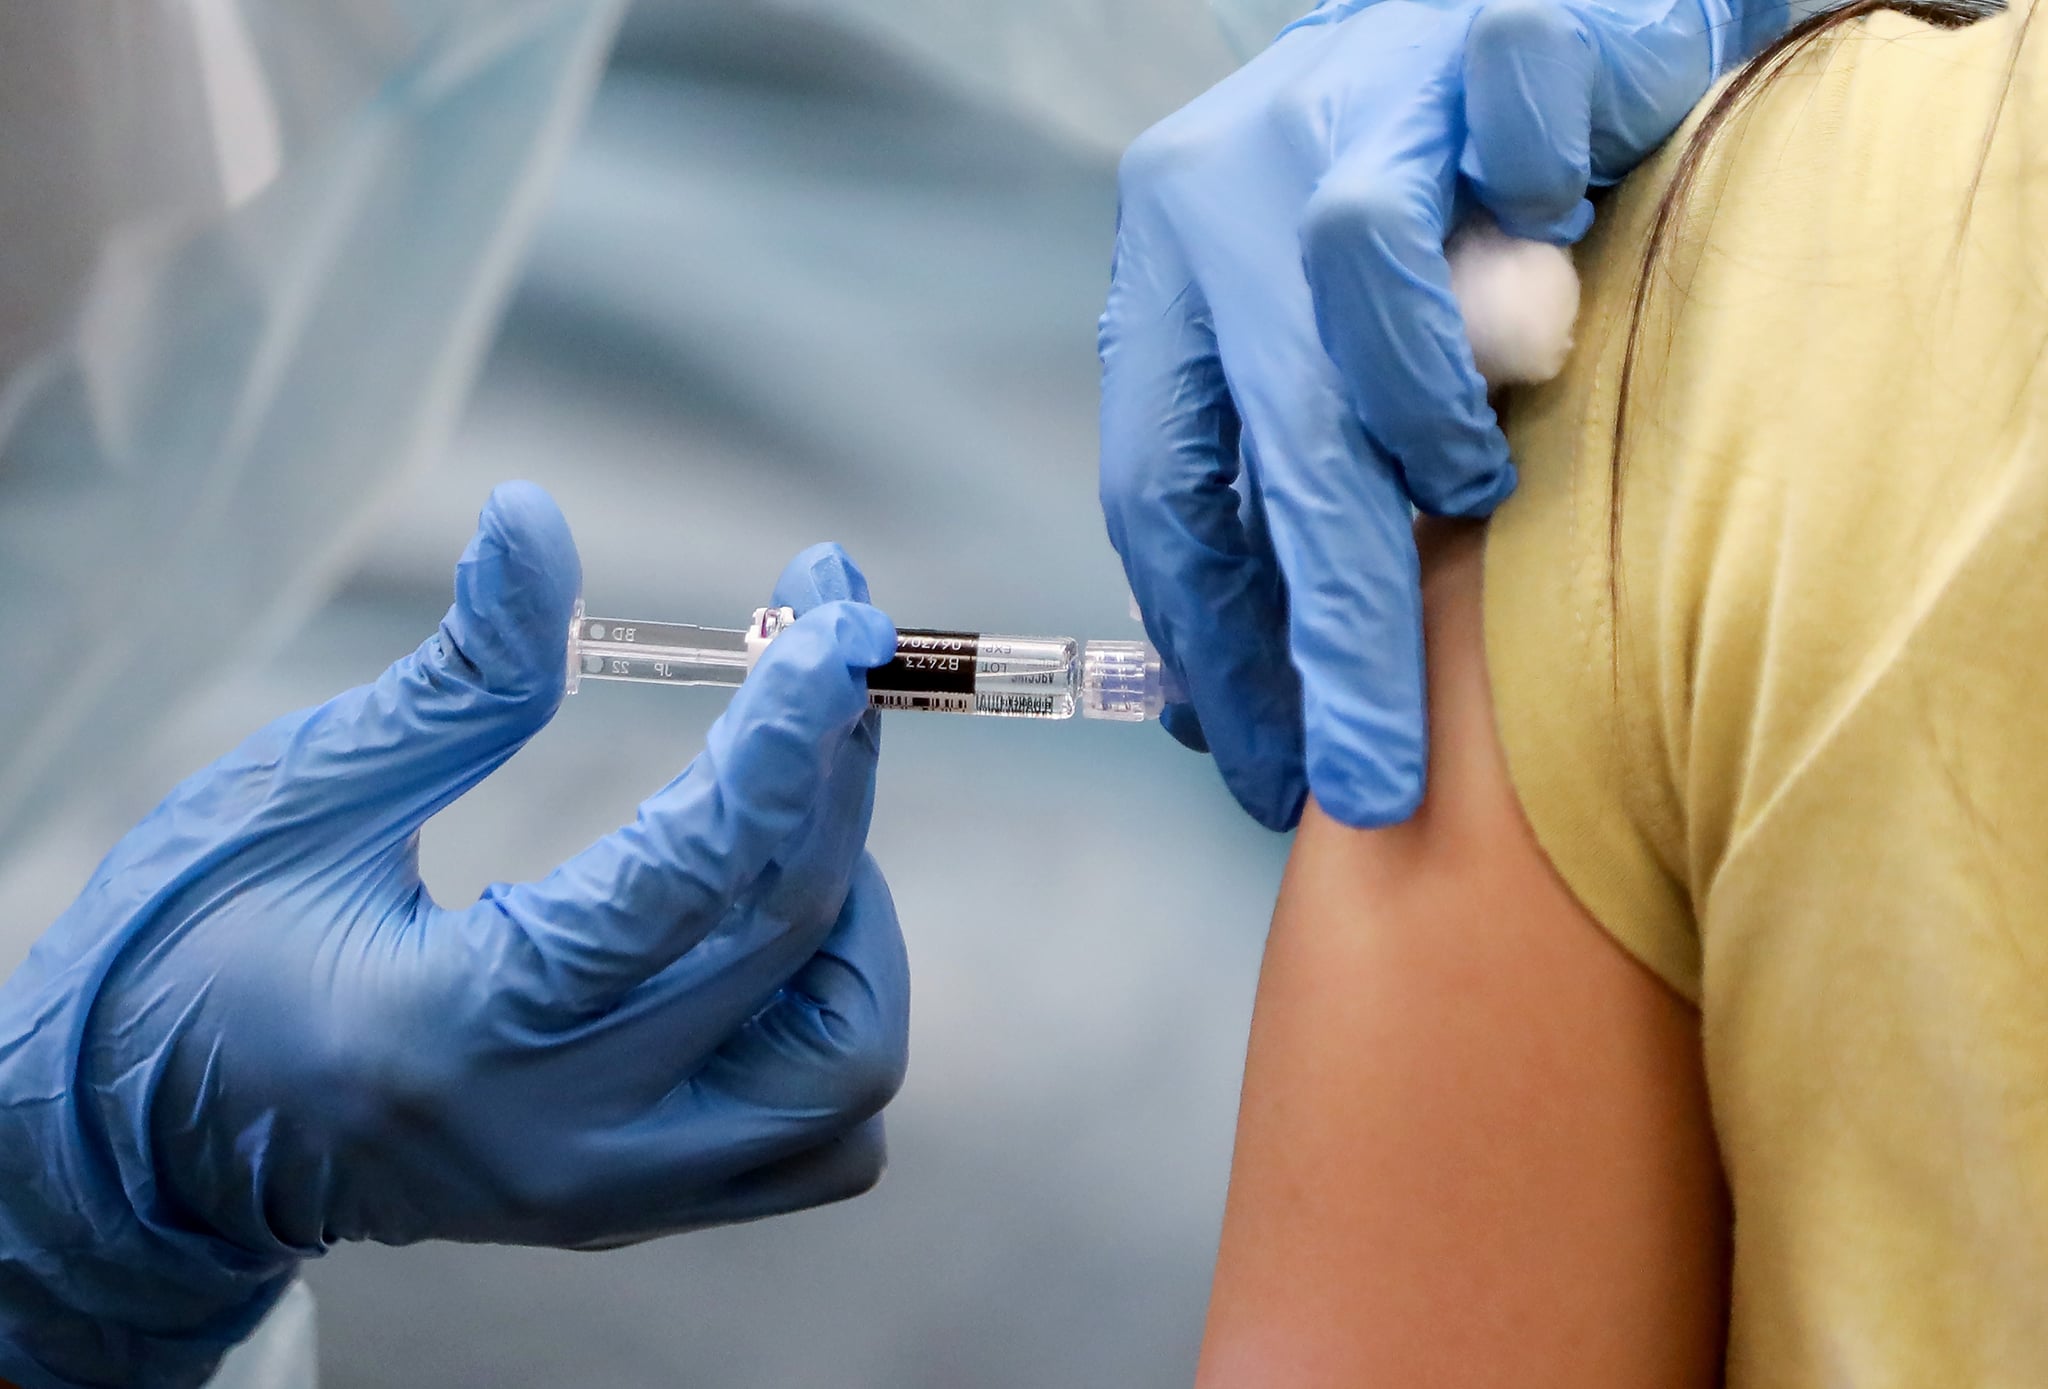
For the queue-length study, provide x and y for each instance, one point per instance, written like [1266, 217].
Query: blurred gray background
[830, 269]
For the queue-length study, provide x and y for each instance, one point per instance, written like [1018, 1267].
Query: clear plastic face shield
[250, 254]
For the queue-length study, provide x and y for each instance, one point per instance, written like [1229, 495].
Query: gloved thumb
[506, 634]
[390, 754]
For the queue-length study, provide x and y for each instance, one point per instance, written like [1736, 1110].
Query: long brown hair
[1734, 98]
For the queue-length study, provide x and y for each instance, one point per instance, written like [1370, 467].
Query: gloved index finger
[1339, 520]
[1337, 512]
[1380, 294]
[815, 862]
[637, 900]
[1210, 594]
[822, 574]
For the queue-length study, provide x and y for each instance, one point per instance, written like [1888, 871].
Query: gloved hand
[254, 1034]
[1284, 370]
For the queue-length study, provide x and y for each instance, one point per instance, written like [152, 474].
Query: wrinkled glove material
[255, 1034]
[1286, 378]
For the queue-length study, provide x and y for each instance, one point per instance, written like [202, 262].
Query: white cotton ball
[1519, 299]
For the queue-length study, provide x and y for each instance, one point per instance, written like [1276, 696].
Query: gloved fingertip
[824, 573]
[522, 521]
[1471, 493]
[1387, 796]
[853, 1164]
[836, 575]
[1270, 784]
[1185, 726]
[866, 635]
[809, 665]
[1279, 807]
[1528, 223]
[515, 588]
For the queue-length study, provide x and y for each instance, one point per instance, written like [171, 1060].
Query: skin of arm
[1474, 1146]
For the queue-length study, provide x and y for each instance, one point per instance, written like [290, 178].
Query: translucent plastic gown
[250, 254]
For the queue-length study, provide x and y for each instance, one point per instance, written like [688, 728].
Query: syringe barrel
[935, 671]
[978, 673]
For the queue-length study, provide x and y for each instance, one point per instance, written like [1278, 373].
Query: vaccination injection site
[996, 694]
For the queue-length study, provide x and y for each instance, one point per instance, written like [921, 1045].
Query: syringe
[943, 672]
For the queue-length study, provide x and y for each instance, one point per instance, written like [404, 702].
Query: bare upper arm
[1473, 1146]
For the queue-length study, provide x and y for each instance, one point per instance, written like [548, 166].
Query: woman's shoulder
[1809, 340]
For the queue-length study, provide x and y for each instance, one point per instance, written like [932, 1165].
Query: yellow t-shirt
[1793, 752]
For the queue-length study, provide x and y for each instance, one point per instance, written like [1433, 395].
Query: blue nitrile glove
[254, 1034]
[1285, 371]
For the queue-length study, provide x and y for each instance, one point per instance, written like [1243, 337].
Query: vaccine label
[927, 664]
[924, 703]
